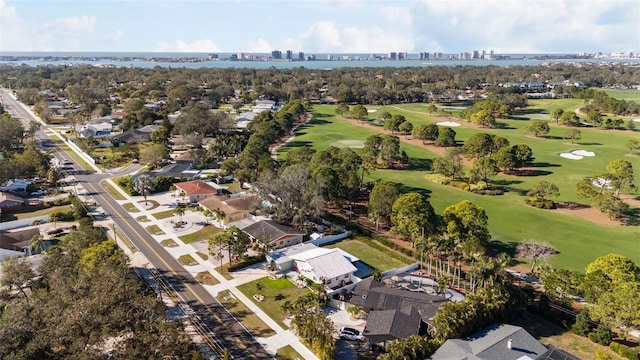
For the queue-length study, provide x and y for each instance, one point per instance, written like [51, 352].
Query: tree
[37, 244]
[450, 164]
[534, 251]
[11, 134]
[572, 134]
[538, 128]
[556, 114]
[523, 155]
[153, 154]
[620, 175]
[381, 199]
[342, 109]
[544, 190]
[569, 118]
[483, 118]
[478, 145]
[412, 216]
[631, 125]
[446, 137]
[143, 184]
[16, 274]
[389, 149]
[482, 169]
[406, 128]
[632, 145]
[371, 150]
[466, 224]
[160, 136]
[505, 159]
[53, 176]
[179, 211]
[393, 124]
[425, 132]
[358, 112]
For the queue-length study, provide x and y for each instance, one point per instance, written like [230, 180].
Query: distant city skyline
[321, 26]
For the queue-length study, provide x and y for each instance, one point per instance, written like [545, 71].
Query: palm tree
[179, 211]
[37, 244]
[219, 215]
[143, 184]
[53, 176]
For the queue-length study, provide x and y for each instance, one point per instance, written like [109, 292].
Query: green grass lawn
[287, 353]
[511, 221]
[275, 293]
[250, 320]
[154, 230]
[187, 260]
[112, 191]
[624, 94]
[203, 234]
[41, 212]
[373, 257]
[168, 243]
[166, 214]
[130, 208]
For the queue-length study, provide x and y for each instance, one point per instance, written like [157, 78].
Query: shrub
[491, 192]
[63, 215]
[581, 326]
[541, 204]
[625, 351]
[126, 183]
[602, 335]
[462, 185]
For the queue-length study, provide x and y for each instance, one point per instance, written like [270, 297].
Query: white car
[39, 192]
[347, 333]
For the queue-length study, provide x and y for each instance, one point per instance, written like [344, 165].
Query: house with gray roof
[495, 342]
[372, 296]
[277, 234]
[387, 325]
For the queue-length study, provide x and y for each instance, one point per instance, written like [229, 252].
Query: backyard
[275, 293]
[375, 258]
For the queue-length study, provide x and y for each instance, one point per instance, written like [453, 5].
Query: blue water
[199, 60]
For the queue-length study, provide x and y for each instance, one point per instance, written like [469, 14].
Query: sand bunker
[577, 154]
[357, 144]
[583, 153]
[447, 123]
[571, 156]
[636, 120]
[371, 110]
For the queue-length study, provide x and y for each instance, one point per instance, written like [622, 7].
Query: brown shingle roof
[228, 205]
[196, 187]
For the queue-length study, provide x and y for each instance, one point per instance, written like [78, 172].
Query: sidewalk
[271, 344]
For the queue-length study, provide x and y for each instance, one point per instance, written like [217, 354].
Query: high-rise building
[300, 56]
[402, 55]
[289, 54]
[276, 54]
[240, 56]
[393, 56]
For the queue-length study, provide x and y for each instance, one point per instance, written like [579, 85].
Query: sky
[321, 26]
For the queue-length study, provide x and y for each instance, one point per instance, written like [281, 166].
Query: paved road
[229, 333]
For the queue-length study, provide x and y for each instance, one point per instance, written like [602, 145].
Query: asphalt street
[223, 329]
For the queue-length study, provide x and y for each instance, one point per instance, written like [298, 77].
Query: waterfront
[260, 61]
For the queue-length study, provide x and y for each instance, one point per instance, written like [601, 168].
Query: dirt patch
[632, 200]
[149, 204]
[588, 213]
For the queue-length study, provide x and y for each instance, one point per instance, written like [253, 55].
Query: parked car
[39, 192]
[347, 333]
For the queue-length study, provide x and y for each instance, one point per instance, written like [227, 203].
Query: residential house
[262, 105]
[235, 208]
[10, 203]
[320, 265]
[495, 342]
[135, 136]
[16, 186]
[372, 295]
[387, 325]
[276, 234]
[243, 119]
[16, 243]
[196, 190]
[97, 129]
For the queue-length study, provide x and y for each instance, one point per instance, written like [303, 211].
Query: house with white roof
[97, 129]
[333, 267]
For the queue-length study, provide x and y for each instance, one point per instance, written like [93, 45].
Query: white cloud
[182, 46]
[259, 46]
[70, 26]
[398, 15]
[325, 37]
[114, 36]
